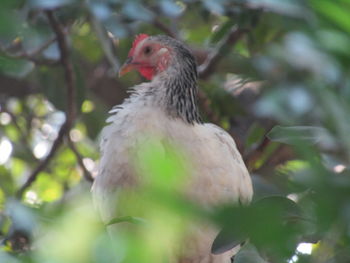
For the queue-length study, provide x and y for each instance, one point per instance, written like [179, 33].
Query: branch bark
[86, 173]
[70, 111]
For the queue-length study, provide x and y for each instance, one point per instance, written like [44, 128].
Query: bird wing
[220, 175]
[230, 154]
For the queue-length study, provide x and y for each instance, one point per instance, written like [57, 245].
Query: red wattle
[147, 72]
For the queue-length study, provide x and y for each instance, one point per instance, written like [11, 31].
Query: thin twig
[220, 51]
[37, 51]
[70, 111]
[44, 163]
[32, 56]
[86, 173]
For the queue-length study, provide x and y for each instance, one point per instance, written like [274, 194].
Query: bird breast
[218, 174]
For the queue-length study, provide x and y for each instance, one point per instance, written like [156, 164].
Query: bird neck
[179, 93]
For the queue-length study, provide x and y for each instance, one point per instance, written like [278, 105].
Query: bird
[165, 105]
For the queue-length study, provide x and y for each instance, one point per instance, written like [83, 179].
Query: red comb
[137, 40]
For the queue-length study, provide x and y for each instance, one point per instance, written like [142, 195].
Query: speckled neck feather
[179, 81]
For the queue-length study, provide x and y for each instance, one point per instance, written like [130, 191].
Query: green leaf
[17, 68]
[47, 188]
[7, 183]
[279, 206]
[2, 200]
[225, 241]
[299, 134]
[255, 134]
[336, 12]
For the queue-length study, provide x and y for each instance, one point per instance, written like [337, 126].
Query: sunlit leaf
[47, 188]
[335, 11]
[2, 200]
[87, 43]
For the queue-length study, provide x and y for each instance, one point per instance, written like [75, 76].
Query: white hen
[165, 108]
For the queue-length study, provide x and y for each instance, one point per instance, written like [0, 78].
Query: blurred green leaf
[17, 68]
[255, 134]
[7, 183]
[299, 134]
[280, 207]
[87, 43]
[225, 241]
[47, 188]
[337, 12]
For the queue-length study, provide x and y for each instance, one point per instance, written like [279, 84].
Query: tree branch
[207, 68]
[32, 56]
[70, 111]
[86, 173]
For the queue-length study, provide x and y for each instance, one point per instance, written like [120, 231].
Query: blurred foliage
[282, 90]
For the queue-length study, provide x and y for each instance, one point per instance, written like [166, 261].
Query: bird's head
[151, 55]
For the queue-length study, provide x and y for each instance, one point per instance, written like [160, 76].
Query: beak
[127, 67]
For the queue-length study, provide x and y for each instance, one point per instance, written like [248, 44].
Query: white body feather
[219, 174]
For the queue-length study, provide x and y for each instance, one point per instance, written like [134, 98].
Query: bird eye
[147, 50]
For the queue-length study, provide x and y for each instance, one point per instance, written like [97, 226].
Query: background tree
[275, 74]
